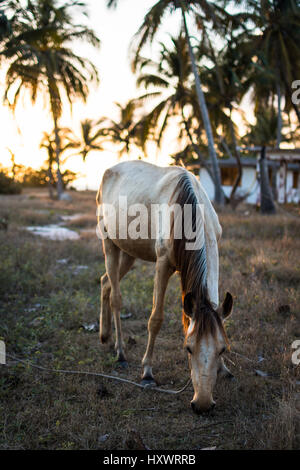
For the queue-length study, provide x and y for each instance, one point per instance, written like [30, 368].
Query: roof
[247, 162]
[275, 153]
[270, 150]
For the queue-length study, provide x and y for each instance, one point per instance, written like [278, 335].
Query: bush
[8, 185]
[31, 178]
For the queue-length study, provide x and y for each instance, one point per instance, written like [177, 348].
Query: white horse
[144, 186]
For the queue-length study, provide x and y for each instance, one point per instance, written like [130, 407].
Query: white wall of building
[292, 194]
[207, 183]
[250, 185]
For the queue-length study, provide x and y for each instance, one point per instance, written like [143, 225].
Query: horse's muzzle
[198, 409]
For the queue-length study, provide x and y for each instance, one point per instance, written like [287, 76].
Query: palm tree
[89, 138]
[205, 12]
[48, 143]
[41, 59]
[90, 133]
[264, 131]
[219, 195]
[126, 131]
[67, 142]
[5, 24]
[13, 162]
[225, 84]
[169, 81]
[275, 50]
[263, 134]
[267, 205]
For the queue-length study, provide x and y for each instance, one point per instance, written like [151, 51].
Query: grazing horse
[144, 186]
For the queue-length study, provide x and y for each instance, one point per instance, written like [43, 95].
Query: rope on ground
[98, 374]
[242, 355]
[118, 379]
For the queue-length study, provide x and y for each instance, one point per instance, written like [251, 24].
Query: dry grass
[44, 305]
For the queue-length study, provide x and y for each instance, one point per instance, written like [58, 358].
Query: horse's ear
[188, 304]
[226, 308]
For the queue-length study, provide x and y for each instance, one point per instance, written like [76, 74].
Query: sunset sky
[115, 28]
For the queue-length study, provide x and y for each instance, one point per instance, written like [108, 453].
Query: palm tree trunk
[13, 164]
[55, 111]
[279, 114]
[50, 181]
[196, 148]
[267, 205]
[59, 183]
[238, 161]
[219, 195]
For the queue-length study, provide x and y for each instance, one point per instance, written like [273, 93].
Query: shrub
[8, 185]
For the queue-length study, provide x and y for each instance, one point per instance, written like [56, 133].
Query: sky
[115, 28]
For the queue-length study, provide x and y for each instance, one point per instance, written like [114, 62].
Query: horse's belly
[143, 249]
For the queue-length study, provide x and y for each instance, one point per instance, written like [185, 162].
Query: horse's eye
[188, 350]
[222, 350]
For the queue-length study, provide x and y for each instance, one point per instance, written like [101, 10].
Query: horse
[144, 186]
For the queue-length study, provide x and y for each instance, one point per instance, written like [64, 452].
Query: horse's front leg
[162, 276]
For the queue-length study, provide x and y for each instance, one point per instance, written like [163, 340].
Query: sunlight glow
[24, 128]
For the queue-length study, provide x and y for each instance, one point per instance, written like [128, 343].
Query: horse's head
[205, 342]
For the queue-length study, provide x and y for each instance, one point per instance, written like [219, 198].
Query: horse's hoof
[104, 339]
[147, 383]
[122, 364]
[232, 379]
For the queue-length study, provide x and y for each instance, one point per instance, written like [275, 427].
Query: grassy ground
[45, 302]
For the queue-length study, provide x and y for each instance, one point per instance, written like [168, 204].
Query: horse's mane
[191, 264]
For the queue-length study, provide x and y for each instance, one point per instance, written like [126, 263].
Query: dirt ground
[49, 293]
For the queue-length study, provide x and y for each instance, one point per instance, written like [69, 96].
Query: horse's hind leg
[162, 276]
[105, 311]
[126, 263]
[115, 270]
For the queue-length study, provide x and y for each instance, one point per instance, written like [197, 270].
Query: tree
[170, 84]
[224, 82]
[13, 162]
[41, 59]
[207, 12]
[8, 185]
[67, 141]
[267, 205]
[89, 139]
[49, 144]
[169, 81]
[219, 195]
[90, 132]
[5, 24]
[264, 131]
[274, 46]
[126, 131]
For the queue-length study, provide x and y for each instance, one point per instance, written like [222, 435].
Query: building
[284, 171]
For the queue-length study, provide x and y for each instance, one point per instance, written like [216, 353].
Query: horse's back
[138, 182]
[135, 183]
